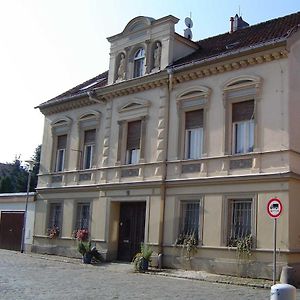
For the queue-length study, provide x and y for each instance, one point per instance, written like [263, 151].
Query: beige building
[179, 138]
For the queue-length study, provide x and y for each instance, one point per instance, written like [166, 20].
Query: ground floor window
[189, 220]
[239, 220]
[83, 216]
[55, 220]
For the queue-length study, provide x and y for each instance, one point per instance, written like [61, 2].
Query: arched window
[139, 59]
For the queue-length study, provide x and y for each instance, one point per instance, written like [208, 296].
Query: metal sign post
[274, 209]
[274, 250]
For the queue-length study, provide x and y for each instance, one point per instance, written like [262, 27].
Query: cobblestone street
[26, 276]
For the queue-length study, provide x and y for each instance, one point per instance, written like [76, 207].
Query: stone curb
[214, 280]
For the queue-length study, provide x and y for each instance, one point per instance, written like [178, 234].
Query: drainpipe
[164, 170]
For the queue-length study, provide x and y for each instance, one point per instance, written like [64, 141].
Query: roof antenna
[189, 24]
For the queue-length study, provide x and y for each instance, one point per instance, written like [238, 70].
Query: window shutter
[133, 135]
[62, 142]
[242, 111]
[194, 119]
[89, 136]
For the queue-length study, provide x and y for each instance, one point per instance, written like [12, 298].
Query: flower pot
[87, 258]
[144, 264]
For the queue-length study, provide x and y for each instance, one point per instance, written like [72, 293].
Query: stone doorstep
[192, 275]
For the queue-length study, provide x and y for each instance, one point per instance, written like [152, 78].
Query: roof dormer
[144, 46]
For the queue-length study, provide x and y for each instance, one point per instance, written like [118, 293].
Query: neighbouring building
[12, 211]
[179, 138]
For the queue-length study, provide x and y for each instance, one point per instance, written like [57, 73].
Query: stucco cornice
[213, 66]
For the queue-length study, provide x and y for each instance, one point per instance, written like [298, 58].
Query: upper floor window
[192, 106]
[89, 148]
[60, 153]
[139, 63]
[133, 142]
[243, 127]
[241, 98]
[193, 134]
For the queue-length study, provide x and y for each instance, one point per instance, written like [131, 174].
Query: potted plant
[141, 259]
[53, 232]
[85, 248]
[189, 243]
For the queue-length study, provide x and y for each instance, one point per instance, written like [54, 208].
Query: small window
[240, 220]
[89, 148]
[139, 63]
[243, 127]
[55, 216]
[83, 216]
[133, 142]
[193, 134]
[60, 153]
[189, 219]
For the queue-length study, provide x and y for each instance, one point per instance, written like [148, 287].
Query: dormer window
[139, 63]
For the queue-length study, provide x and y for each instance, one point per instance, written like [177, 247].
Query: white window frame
[193, 150]
[245, 141]
[87, 164]
[139, 63]
[60, 160]
[133, 156]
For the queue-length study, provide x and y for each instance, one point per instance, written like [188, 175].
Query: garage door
[11, 224]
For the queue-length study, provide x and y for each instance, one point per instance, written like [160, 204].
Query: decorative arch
[137, 24]
[193, 92]
[242, 81]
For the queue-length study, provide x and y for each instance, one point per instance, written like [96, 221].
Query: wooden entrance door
[131, 229]
[11, 225]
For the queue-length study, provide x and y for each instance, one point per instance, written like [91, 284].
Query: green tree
[6, 185]
[36, 167]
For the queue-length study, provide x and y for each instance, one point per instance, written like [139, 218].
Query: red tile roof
[257, 35]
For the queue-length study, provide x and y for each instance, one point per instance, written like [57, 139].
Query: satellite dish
[188, 33]
[188, 22]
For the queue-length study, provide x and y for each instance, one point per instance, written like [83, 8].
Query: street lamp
[30, 168]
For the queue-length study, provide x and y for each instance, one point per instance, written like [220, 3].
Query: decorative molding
[190, 168]
[130, 172]
[240, 164]
[159, 79]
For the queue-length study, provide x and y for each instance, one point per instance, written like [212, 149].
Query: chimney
[237, 23]
[231, 24]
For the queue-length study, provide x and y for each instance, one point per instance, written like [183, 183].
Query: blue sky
[48, 47]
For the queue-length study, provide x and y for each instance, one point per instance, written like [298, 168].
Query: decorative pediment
[134, 105]
[61, 125]
[134, 109]
[194, 92]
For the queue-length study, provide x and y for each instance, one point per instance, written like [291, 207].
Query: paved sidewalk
[192, 275]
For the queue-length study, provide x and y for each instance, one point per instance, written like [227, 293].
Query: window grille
[240, 219]
[83, 216]
[55, 215]
[189, 218]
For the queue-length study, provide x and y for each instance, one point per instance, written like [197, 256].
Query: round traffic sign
[274, 207]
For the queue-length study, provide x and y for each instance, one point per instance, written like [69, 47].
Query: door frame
[108, 233]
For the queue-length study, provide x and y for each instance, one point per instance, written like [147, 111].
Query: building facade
[179, 139]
